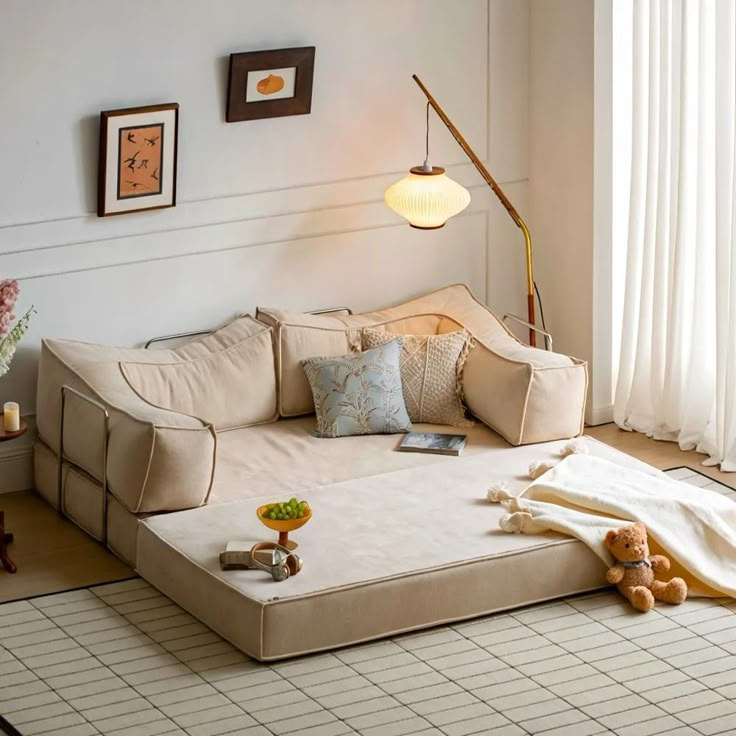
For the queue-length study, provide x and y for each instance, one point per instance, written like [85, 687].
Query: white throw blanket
[584, 496]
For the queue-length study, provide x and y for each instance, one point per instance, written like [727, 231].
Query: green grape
[286, 510]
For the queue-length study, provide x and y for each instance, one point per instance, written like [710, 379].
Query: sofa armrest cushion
[538, 399]
[159, 457]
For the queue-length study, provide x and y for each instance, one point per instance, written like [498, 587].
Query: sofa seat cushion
[286, 458]
[159, 456]
[384, 553]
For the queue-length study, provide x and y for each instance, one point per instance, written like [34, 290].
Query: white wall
[561, 184]
[609, 224]
[286, 211]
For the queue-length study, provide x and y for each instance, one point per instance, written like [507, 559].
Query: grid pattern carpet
[122, 659]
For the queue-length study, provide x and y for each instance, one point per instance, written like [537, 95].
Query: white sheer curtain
[677, 372]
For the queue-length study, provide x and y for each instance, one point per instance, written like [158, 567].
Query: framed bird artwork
[137, 167]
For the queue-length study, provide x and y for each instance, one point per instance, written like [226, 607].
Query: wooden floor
[52, 554]
[662, 455]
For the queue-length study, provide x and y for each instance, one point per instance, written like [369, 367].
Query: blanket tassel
[520, 522]
[498, 493]
[540, 467]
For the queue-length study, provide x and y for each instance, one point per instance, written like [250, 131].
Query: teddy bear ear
[610, 537]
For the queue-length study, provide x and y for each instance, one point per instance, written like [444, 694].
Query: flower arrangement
[10, 336]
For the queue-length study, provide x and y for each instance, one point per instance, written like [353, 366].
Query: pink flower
[9, 291]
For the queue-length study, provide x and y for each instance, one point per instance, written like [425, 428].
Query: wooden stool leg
[5, 539]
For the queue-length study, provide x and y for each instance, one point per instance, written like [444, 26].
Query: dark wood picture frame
[301, 58]
[154, 187]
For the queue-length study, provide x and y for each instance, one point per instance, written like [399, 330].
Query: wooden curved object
[515, 216]
[5, 540]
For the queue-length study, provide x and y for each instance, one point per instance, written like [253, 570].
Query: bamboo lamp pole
[515, 216]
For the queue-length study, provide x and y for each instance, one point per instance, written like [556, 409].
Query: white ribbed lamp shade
[427, 199]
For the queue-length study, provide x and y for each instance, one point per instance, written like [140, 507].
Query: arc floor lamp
[427, 198]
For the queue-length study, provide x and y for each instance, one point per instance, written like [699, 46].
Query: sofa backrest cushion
[195, 386]
[298, 336]
[223, 338]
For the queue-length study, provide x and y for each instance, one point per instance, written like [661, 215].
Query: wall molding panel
[16, 470]
[286, 212]
[237, 208]
[211, 233]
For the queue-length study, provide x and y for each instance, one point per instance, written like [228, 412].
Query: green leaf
[11, 340]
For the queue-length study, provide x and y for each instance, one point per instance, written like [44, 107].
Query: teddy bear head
[628, 543]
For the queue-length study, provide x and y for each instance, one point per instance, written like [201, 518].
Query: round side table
[7, 436]
[5, 537]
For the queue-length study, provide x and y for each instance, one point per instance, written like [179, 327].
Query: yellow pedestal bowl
[284, 526]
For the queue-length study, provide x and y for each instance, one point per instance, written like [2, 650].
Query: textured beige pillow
[431, 371]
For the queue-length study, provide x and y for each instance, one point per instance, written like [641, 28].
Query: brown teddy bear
[634, 570]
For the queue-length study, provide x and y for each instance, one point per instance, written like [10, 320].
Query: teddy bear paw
[641, 598]
[674, 591]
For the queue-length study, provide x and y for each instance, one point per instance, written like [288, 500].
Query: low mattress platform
[164, 456]
[400, 550]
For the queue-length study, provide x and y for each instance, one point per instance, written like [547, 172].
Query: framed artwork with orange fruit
[270, 84]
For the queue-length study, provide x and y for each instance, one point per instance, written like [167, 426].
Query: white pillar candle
[11, 416]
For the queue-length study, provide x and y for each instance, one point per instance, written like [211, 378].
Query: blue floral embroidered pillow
[359, 394]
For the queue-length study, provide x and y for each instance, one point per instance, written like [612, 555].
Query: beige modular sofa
[168, 453]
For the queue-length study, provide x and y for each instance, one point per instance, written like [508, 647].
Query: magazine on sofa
[433, 442]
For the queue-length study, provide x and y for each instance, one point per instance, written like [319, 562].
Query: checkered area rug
[122, 659]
